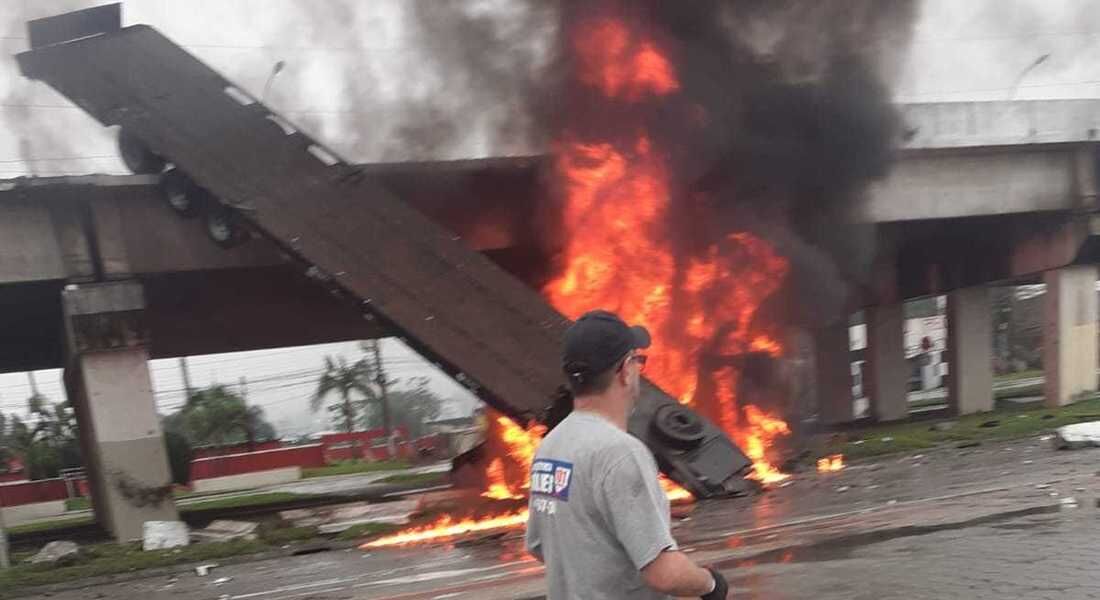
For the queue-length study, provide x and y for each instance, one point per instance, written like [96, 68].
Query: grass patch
[112, 559]
[49, 525]
[355, 468]
[1019, 392]
[245, 501]
[425, 479]
[1030, 374]
[73, 504]
[366, 530]
[279, 536]
[1012, 423]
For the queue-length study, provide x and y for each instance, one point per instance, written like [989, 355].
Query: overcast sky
[377, 83]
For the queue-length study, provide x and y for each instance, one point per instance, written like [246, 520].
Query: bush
[179, 456]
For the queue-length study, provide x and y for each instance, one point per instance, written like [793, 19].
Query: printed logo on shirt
[551, 478]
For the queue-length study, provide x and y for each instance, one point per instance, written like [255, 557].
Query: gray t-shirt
[598, 514]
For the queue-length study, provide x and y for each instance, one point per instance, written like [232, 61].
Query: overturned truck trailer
[453, 305]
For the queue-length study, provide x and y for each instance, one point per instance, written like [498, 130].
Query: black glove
[721, 587]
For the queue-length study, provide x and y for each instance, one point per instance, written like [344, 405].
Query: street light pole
[1024, 73]
[275, 70]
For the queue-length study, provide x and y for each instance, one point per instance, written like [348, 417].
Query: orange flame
[448, 527]
[828, 464]
[610, 59]
[675, 493]
[520, 445]
[699, 303]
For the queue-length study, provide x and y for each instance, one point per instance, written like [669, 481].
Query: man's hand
[674, 574]
[721, 587]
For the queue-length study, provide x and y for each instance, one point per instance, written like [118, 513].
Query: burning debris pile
[702, 153]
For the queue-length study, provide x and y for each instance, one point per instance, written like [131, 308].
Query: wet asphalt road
[938, 525]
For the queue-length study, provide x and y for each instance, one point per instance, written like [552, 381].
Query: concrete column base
[887, 375]
[108, 379]
[970, 351]
[833, 370]
[1069, 334]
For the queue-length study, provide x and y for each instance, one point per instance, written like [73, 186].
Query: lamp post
[1024, 73]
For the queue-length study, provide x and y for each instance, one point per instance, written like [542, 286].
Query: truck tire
[678, 427]
[182, 195]
[137, 156]
[223, 226]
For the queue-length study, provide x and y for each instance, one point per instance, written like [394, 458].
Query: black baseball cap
[596, 342]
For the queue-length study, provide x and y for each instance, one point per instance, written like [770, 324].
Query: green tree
[410, 408]
[48, 442]
[352, 386]
[216, 416]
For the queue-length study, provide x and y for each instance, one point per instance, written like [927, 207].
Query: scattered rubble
[335, 519]
[57, 552]
[226, 531]
[1078, 435]
[161, 535]
[204, 570]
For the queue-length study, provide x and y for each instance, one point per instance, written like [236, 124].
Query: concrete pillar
[108, 379]
[887, 374]
[1069, 334]
[970, 350]
[833, 371]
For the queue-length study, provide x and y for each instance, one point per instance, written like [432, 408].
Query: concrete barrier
[247, 481]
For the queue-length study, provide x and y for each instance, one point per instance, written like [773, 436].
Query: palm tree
[345, 380]
[216, 415]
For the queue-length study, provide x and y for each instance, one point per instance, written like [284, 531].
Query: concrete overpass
[982, 193]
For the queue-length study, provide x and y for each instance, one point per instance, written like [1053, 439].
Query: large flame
[519, 449]
[621, 253]
[448, 526]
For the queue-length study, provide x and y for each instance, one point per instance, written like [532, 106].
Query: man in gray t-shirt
[598, 517]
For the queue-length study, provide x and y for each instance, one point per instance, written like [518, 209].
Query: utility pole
[383, 391]
[243, 387]
[34, 383]
[186, 378]
[5, 560]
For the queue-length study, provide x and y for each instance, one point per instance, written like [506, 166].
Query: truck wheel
[224, 226]
[678, 427]
[181, 194]
[137, 156]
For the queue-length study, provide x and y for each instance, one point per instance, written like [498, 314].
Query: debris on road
[226, 531]
[57, 552]
[944, 426]
[339, 518]
[204, 570]
[1078, 435]
[222, 580]
[162, 535]
[990, 424]
[843, 488]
